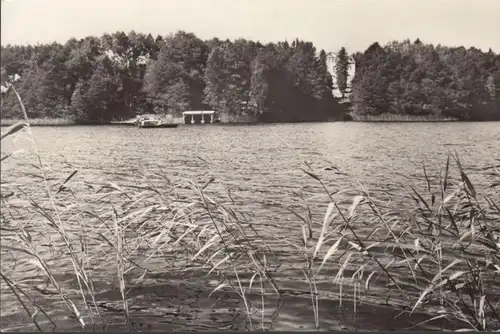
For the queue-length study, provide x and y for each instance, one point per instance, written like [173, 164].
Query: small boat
[161, 125]
[149, 124]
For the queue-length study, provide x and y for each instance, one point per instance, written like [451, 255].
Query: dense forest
[417, 79]
[117, 76]
[120, 75]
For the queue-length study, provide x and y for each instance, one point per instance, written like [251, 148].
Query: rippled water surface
[265, 159]
[260, 167]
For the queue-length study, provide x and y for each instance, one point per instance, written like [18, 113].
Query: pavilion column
[192, 119]
[211, 118]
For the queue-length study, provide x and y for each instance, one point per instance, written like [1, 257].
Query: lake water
[266, 158]
[261, 166]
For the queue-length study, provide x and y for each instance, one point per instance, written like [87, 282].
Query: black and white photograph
[250, 165]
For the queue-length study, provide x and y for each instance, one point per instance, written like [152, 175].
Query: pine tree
[342, 66]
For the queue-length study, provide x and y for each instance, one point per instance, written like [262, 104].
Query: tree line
[117, 76]
[417, 79]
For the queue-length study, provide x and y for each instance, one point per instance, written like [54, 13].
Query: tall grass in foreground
[435, 251]
[56, 230]
[438, 250]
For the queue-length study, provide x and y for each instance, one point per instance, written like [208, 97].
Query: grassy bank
[165, 252]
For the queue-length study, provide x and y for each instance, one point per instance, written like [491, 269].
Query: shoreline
[42, 122]
[36, 123]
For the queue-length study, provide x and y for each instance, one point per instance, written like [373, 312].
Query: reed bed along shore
[400, 118]
[39, 122]
[164, 253]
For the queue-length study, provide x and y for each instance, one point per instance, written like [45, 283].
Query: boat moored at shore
[147, 125]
